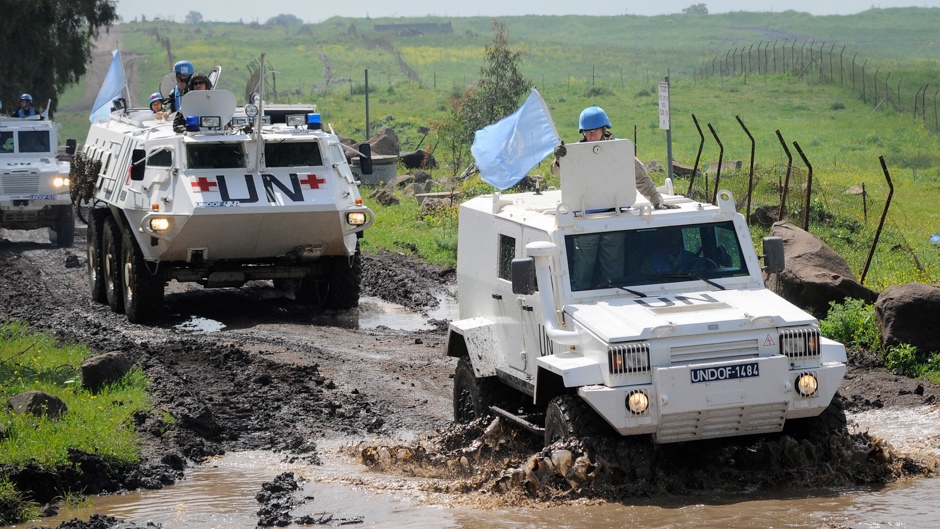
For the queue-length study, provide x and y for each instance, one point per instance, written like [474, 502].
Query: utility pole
[665, 123]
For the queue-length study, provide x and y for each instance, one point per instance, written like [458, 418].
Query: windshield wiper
[688, 275]
[636, 293]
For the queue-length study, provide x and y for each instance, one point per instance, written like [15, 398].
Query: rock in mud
[100, 521]
[37, 403]
[105, 369]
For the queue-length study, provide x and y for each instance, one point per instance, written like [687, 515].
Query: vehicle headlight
[798, 343]
[356, 218]
[251, 110]
[59, 181]
[159, 224]
[210, 122]
[807, 384]
[296, 120]
[637, 402]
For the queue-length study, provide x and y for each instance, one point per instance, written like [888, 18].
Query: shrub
[904, 359]
[14, 507]
[838, 106]
[853, 324]
[597, 91]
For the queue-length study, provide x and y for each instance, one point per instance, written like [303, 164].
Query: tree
[283, 20]
[696, 9]
[194, 17]
[47, 44]
[497, 94]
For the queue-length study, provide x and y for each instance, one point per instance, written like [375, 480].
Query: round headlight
[637, 402]
[251, 110]
[59, 181]
[807, 384]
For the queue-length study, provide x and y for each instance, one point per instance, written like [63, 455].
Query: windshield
[34, 141]
[655, 255]
[292, 154]
[215, 156]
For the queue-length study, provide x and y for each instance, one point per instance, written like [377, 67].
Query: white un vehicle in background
[34, 186]
[584, 306]
[246, 194]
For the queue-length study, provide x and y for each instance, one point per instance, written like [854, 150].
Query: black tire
[344, 282]
[111, 264]
[473, 396]
[142, 291]
[831, 420]
[93, 248]
[64, 226]
[568, 416]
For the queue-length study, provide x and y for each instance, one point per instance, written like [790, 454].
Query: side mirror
[70, 145]
[365, 161]
[137, 164]
[774, 260]
[523, 276]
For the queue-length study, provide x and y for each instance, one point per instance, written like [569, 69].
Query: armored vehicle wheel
[111, 263]
[95, 267]
[832, 419]
[569, 416]
[473, 396]
[343, 283]
[64, 226]
[142, 291]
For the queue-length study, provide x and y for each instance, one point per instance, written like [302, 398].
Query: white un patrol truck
[249, 193]
[586, 306]
[34, 186]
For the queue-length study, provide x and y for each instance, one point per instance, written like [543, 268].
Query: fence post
[784, 56]
[853, 70]
[786, 182]
[809, 186]
[758, 57]
[900, 103]
[721, 155]
[697, 156]
[775, 56]
[881, 223]
[841, 73]
[750, 178]
[864, 98]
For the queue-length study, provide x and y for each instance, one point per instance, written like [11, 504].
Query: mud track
[283, 376]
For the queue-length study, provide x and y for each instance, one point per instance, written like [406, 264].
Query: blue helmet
[183, 68]
[26, 97]
[593, 118]
[155, 97]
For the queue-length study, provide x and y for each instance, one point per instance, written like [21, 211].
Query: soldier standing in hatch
[184, 73]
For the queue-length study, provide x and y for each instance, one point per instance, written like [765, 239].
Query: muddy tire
[473, 396]
[111, 264]
[569, 416]
[343, 283]
[94, 251]
[831, 420]
[142, 291]
[64, 226]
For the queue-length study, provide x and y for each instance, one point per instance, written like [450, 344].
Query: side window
[728, 246]
[507, 252]
[161, 158]
[6, 142]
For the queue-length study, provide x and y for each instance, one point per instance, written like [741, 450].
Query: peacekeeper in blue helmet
[26, 107]
[199, 81]
[593, 126]
[184, 72]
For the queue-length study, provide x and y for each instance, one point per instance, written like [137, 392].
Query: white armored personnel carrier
[34, 186]
[244, 194]
[585, 306]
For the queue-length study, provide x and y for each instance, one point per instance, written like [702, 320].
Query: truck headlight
[59, 181]
[806, 384]
[159, 224]
[356, 218]
[637, 402]
[210, 122]
[296, 120]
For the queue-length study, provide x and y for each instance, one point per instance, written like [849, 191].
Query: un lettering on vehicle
[274, 187]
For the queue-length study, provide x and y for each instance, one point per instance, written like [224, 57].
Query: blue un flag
[111, 89]
[508, 149]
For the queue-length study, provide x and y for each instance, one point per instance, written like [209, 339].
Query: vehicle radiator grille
[799, 343]
[725, 422]
[20, 216]
[728, 350]
[629, 359]
[20, 185]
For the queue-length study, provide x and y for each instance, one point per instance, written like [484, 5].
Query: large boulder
[37, 403]
[385, 142]
[910, 314]
[105, 369]
[419, 159]
[384, 197]
[765, 215]
[815, 274]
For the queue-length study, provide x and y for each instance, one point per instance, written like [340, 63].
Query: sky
[319, 10]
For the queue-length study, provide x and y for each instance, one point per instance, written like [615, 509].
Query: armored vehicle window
[215, 156]
[653, 256]
[507, 252]
[34, 140]
[6, 142]
[292, 154]
[161, 158]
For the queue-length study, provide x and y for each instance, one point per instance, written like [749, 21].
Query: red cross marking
[204, 184]
[312, 181]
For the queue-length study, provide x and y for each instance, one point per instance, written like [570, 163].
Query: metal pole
[809, 186]
[750, 178]
[881, 223]
[721, 155]
[367, 105]
[786, 181]
[697, 156]
[669, 134]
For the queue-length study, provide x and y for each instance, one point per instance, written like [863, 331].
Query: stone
[727, 166]
[681, 170]
[37, 403]
[910, 314]
[418, 189]
[385, 141]
[384, 197]
[430, 206]
[815, 274]
[105, 369]
[528, 184]
[419, 159]
[562, 460]
[765, 215]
